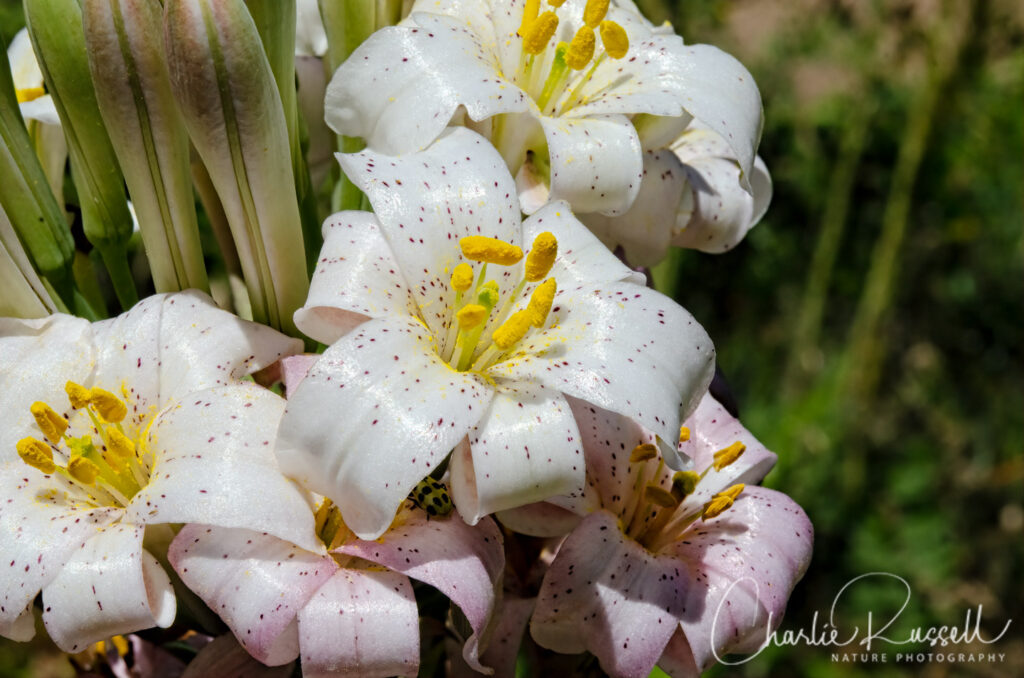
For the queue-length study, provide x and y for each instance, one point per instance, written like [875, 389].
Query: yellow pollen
[490, 250]
[513, 329]
[733, 491]
[120, 444]
[614, 39]
[556, 3]
[539, 33]
[540, 302]
[471, 315]
[36, 454]
[718, 504]
[684, 434]
[83, 470]
[659, 496]
[728, 455]
[49, 422]
[111, 408]
[643, 453]
[581, 49]
[594, 12]
[685, 482]
[529, 15]
[29, 94]
[77, 394]
[462, 277]
[541, 257]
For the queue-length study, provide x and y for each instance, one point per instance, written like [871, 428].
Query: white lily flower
[459, 343]
[119, 425]
[561, 84]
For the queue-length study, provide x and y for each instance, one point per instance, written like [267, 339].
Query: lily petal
[356, 278]
[360, 623]
[596, 162]
[542, 519]
[23, 628]
[606, 594]
[256, 583]
[376, 413]
[525, 449]
[384, 94]
[215, 465]
[464, 563]
[129, 591]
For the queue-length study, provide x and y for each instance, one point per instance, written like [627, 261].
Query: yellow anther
[718, 504]
[659, 496]
[490, 250]
[49, 422]
[614, 39]
[29, 94]
[728, 455]
[471, 315]
[581, 49]
[111, 408]
[77, 394]
[36, 454]
[512, 330]
[120, 444]
[540, 302]
[684, 483]
[643, 453]
[684, 434]
[529, 15]
[733, 491]
[541, 257]
[83, 470]
[556, 3]
[462, 277]
[594, 12]
[539, 33]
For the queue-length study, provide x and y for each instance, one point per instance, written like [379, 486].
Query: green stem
[115, 259]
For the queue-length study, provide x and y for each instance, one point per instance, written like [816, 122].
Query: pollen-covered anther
[659, 496]
[643, 453]
[614, 39]
[471, 315]
[556, 3]
[541, 257]
[512, 330]
[721, 501]
[110, 408]
[684, 483]
[36, 454]
[120, 444]
[539, 33]
[540, 302]
[78, 395]
[490, 250]
[733, 491]
[49, 422]
[728, 455]
[462, 277]
[581, 49]
[530, 12]
[594, 12]
[684, 434]
[83, 470]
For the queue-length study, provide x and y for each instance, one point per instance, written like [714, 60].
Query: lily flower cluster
[340, 472]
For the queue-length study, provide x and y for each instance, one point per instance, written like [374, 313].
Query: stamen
[471, 315]
[594, 12]
[733, 491]
[643, 453]
[684, 434]
[614, 39]
[721, 502]
[490, 250]
[556, 3]
[29, 94]
[49, 422]
[36, 454]
[581, 49]
[77, 394]
[529, 16]
[512, 330]
[728, 455]
[541, 257]
[462, 277]
[83, 470]
[538, 34]
[111, 408]
[540, 302]
[120, 444]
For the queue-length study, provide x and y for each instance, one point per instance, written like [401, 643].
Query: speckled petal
[356, 278]
[525, 449]
[360, 623]
[462, 562]
[294, 369]
[427, 201]
[215, 465]
[606, 594]
[596, 162]
[400, 88]
[376, 413]
[38, 357]
[645, 230]
[742, 567]
[254, 582]
[110, 586]
[542, 519]
[39, 531]
[625, 348]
